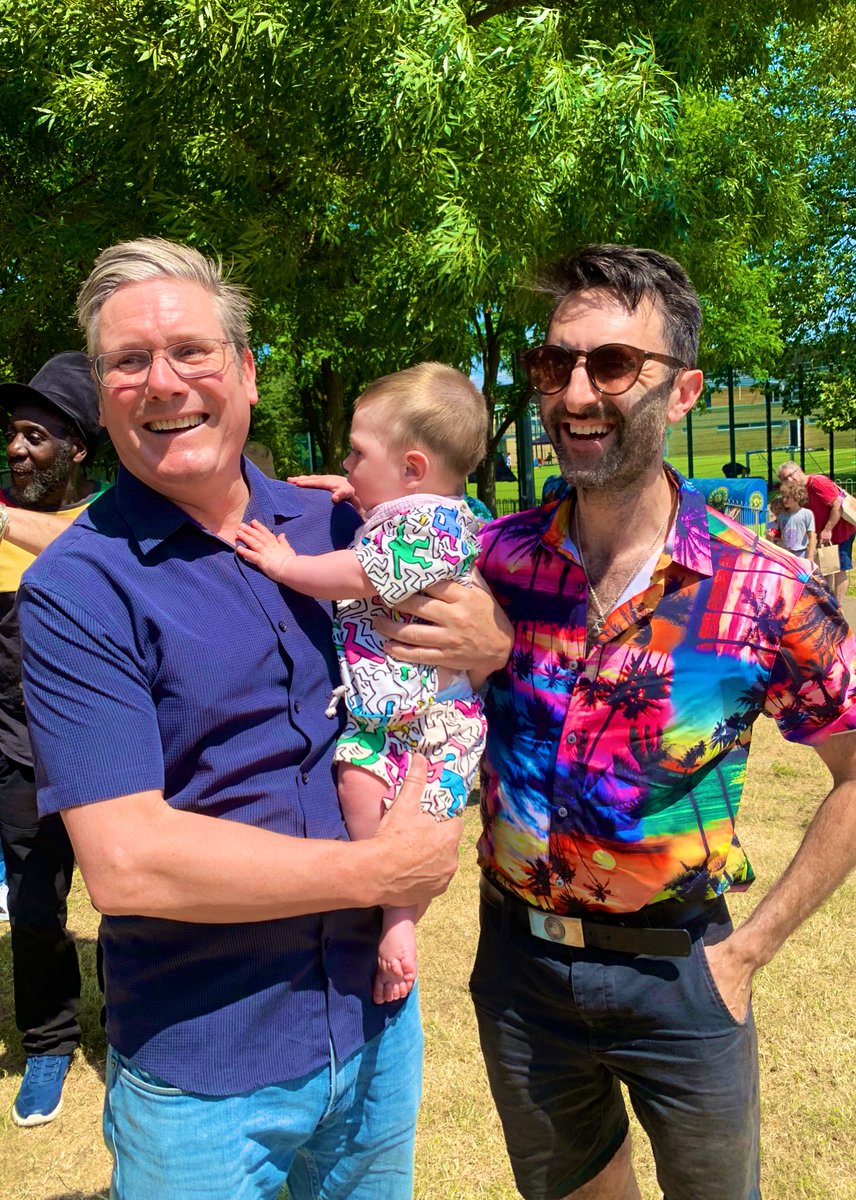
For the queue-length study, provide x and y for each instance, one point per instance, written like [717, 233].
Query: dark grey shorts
[561, 1028]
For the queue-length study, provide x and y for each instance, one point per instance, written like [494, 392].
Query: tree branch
[493, 10]
[513, 413]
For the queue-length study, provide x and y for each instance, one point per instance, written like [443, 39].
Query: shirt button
[305, 777]
[283, 626]
[297, 706]
[561, 812]
[571, 739]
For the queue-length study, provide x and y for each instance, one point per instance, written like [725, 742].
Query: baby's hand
[266, 550]
[336, 485]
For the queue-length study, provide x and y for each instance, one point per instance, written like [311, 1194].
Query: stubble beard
[639, 438]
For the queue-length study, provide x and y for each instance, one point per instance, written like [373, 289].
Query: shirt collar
[690, 537]
[691, 533]
[152, 518]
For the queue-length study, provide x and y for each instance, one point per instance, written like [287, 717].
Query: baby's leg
[396, 956]
[362, 796]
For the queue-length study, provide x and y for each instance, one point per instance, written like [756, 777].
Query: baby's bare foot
[392, 984]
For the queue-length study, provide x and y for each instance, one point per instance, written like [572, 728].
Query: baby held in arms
[415, 436]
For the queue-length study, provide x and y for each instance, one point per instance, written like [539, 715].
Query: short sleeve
[417, 548]
[812, 687]
[824, 489]
[90, 711]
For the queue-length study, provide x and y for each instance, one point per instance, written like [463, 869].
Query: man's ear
[248, 366]
[80, 450]
[416, 466]
[687, 388]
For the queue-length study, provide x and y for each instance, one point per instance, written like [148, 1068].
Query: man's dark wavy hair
[632, 274]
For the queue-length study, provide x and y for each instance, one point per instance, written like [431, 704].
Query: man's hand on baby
[462, 628]
[268, 551]
[336, 485]
[417, 855]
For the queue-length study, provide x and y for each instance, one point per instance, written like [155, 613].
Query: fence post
[802, 442]
[525, 466]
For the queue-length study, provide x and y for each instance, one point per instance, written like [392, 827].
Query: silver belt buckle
[564, 931]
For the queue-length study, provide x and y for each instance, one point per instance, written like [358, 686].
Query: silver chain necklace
[600, 619]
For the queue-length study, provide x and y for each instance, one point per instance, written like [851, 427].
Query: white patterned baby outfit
[396, 708]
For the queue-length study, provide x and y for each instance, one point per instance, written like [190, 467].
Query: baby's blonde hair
[435, 408]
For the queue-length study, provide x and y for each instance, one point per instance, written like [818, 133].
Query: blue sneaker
[40, 1097]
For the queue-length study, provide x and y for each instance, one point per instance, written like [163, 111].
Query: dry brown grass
[803, 1001]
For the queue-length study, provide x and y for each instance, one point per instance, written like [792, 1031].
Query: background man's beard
[639, 440]
[42, 482]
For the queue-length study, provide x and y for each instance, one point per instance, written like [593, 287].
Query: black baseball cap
[65, 383]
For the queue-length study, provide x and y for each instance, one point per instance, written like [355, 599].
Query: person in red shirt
[824, 500]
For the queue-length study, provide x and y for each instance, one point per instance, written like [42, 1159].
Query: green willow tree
[386, 177]
[812, 88]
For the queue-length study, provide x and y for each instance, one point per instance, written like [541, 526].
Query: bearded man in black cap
[52, 431]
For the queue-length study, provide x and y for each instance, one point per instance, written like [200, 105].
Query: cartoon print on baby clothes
[404, 547]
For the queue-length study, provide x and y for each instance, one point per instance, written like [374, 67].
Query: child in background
[415, 436]
[774, 511]
[796, 522]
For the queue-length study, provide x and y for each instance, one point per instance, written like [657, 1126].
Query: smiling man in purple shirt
[195, 779]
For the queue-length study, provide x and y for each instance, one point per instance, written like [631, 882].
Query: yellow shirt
[14, 561]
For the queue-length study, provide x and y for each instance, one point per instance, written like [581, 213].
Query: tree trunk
[330, 399]
[486, 479]
[489, 335]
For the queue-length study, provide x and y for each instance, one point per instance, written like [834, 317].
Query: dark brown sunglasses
[612, 369]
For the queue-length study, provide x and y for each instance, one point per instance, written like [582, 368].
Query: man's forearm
[140, 857]
[832, 520]
[32, 530]
[825, 858]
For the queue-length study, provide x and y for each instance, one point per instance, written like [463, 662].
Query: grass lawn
[510, 491]
[705, 467]
[803, 1002]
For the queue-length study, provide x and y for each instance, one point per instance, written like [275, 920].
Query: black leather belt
[605, 934]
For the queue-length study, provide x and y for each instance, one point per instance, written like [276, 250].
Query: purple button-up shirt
[155, 657]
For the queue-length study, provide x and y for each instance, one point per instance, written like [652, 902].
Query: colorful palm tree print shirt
[612, 778]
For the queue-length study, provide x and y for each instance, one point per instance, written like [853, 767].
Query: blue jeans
[343, 1133]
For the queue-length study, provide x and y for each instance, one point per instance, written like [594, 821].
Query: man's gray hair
[156, 258]
[786, 469]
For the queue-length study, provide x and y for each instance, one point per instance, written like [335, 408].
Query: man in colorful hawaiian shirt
[651, 631]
